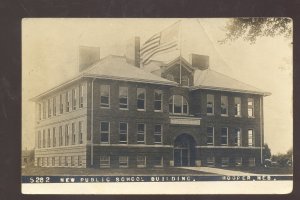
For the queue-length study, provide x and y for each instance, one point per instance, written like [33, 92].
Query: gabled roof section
[210, 79]
[178, 60]
[116, 67]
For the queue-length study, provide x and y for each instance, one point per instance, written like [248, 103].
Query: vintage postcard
[157, 106]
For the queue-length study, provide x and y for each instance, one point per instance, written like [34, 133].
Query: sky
[50, 56]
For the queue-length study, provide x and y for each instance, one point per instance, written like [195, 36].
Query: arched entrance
[184, 150]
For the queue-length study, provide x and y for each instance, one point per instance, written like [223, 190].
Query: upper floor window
[73, 134]
[237, 106]
[141, 129]
[80, 96]
[54, 106]
[250, 107]
[178, 105]
[44, 138]
[61, 105]
[60, 136]
[53, 137]
[123, 97]
[158, 100]
[44, 110]
[66, 135]
[141, 99]
[185, 81]
[210, 104]
[224, 105]
[40, 111]
[237, 137]
[39, 139]
[74, 98]
[250, 138]
[210, 135]
[104, 132]
[224, 136]
[158, 134]
[49, 138]
[104, 96]
[49, 108]
[67, 102]
[123, 130]
[80, 132]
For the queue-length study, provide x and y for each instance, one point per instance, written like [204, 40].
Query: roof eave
[230, 90]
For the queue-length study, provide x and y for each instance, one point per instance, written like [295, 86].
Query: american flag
[162, 42]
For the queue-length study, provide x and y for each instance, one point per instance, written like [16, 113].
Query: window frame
[212, 162]
[250, 107]
[237, 137]
[106, 165]
[161, 162]
[54, 136]
[67, 101]
[137, 99]
[104, 104]
[252, 144]
[222, 136]
[67, 135]
[123, 142]
[105, 132]
[60, 136]
[212, 105]
[213, 136]
[225, 164]
[73, 133]
[143, 160]
[61, 104]
[49, 138]
[127, 99]
[160, 92]
[74, 99]
[80, 134]
[141, 133]
[224, 101]
[80, 93]
[126, 162]
[156, 133]
[49, 108]
[183, 99]
[237, 106]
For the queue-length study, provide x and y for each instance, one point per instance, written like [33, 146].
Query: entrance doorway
[184, 150]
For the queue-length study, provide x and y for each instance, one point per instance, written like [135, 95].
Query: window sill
[141, 109]
[251, 117]
[210, 114]
[239, 116]
[158, 111]
[123, 109]
[104, 107]
[224, 115]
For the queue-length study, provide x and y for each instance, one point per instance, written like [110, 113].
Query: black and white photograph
[157, 105]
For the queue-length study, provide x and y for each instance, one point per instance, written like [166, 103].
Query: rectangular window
[49, 138]
[141, 161]
[80, 96]
[104, 161]
[141, 99]
[210, 135]
[61, 105]
[66, 135]
[80, 132]
[123, 97]
[39, 139]
[210, 161]
[73, 134]
[54, 106]
[224, 105]
[237, 106]
[141, 129]
[158, 134]
[123, 129]
[66, 161]
[53, 137]
[158, 161]
[49, 108]
[251, 162]
[225, 162]
[67, 102]
[123, 161]
[72, 161]
[40, 111]
[158, 100]
[177, 104]
[210, 104]
[238, 161]
[104, 96]
[224, 136]
[250, 138]
[74, 98]
[250, 107]
[60, 136]
[104, 132]
[79, 161]
[237, 137]
[44, 110]
[53, 161]
[44, 138]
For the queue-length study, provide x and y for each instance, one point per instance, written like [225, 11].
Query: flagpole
[180, 43]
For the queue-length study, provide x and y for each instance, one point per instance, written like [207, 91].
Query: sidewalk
[225, 172]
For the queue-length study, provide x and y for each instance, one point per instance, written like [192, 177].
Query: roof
[115, 68]
[210, 79]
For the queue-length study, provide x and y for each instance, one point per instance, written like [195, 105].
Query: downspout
[261, 129]
[92, 124]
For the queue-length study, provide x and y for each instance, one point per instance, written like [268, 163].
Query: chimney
[88, 56]
[132, 52]
[199, 61]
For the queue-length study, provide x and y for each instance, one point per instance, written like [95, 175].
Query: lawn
[40, 171]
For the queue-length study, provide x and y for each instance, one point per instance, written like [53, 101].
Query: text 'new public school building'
[115, 114]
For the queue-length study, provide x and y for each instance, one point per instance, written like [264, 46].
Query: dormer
[180, 71]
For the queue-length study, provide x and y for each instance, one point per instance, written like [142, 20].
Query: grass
[43, 171]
